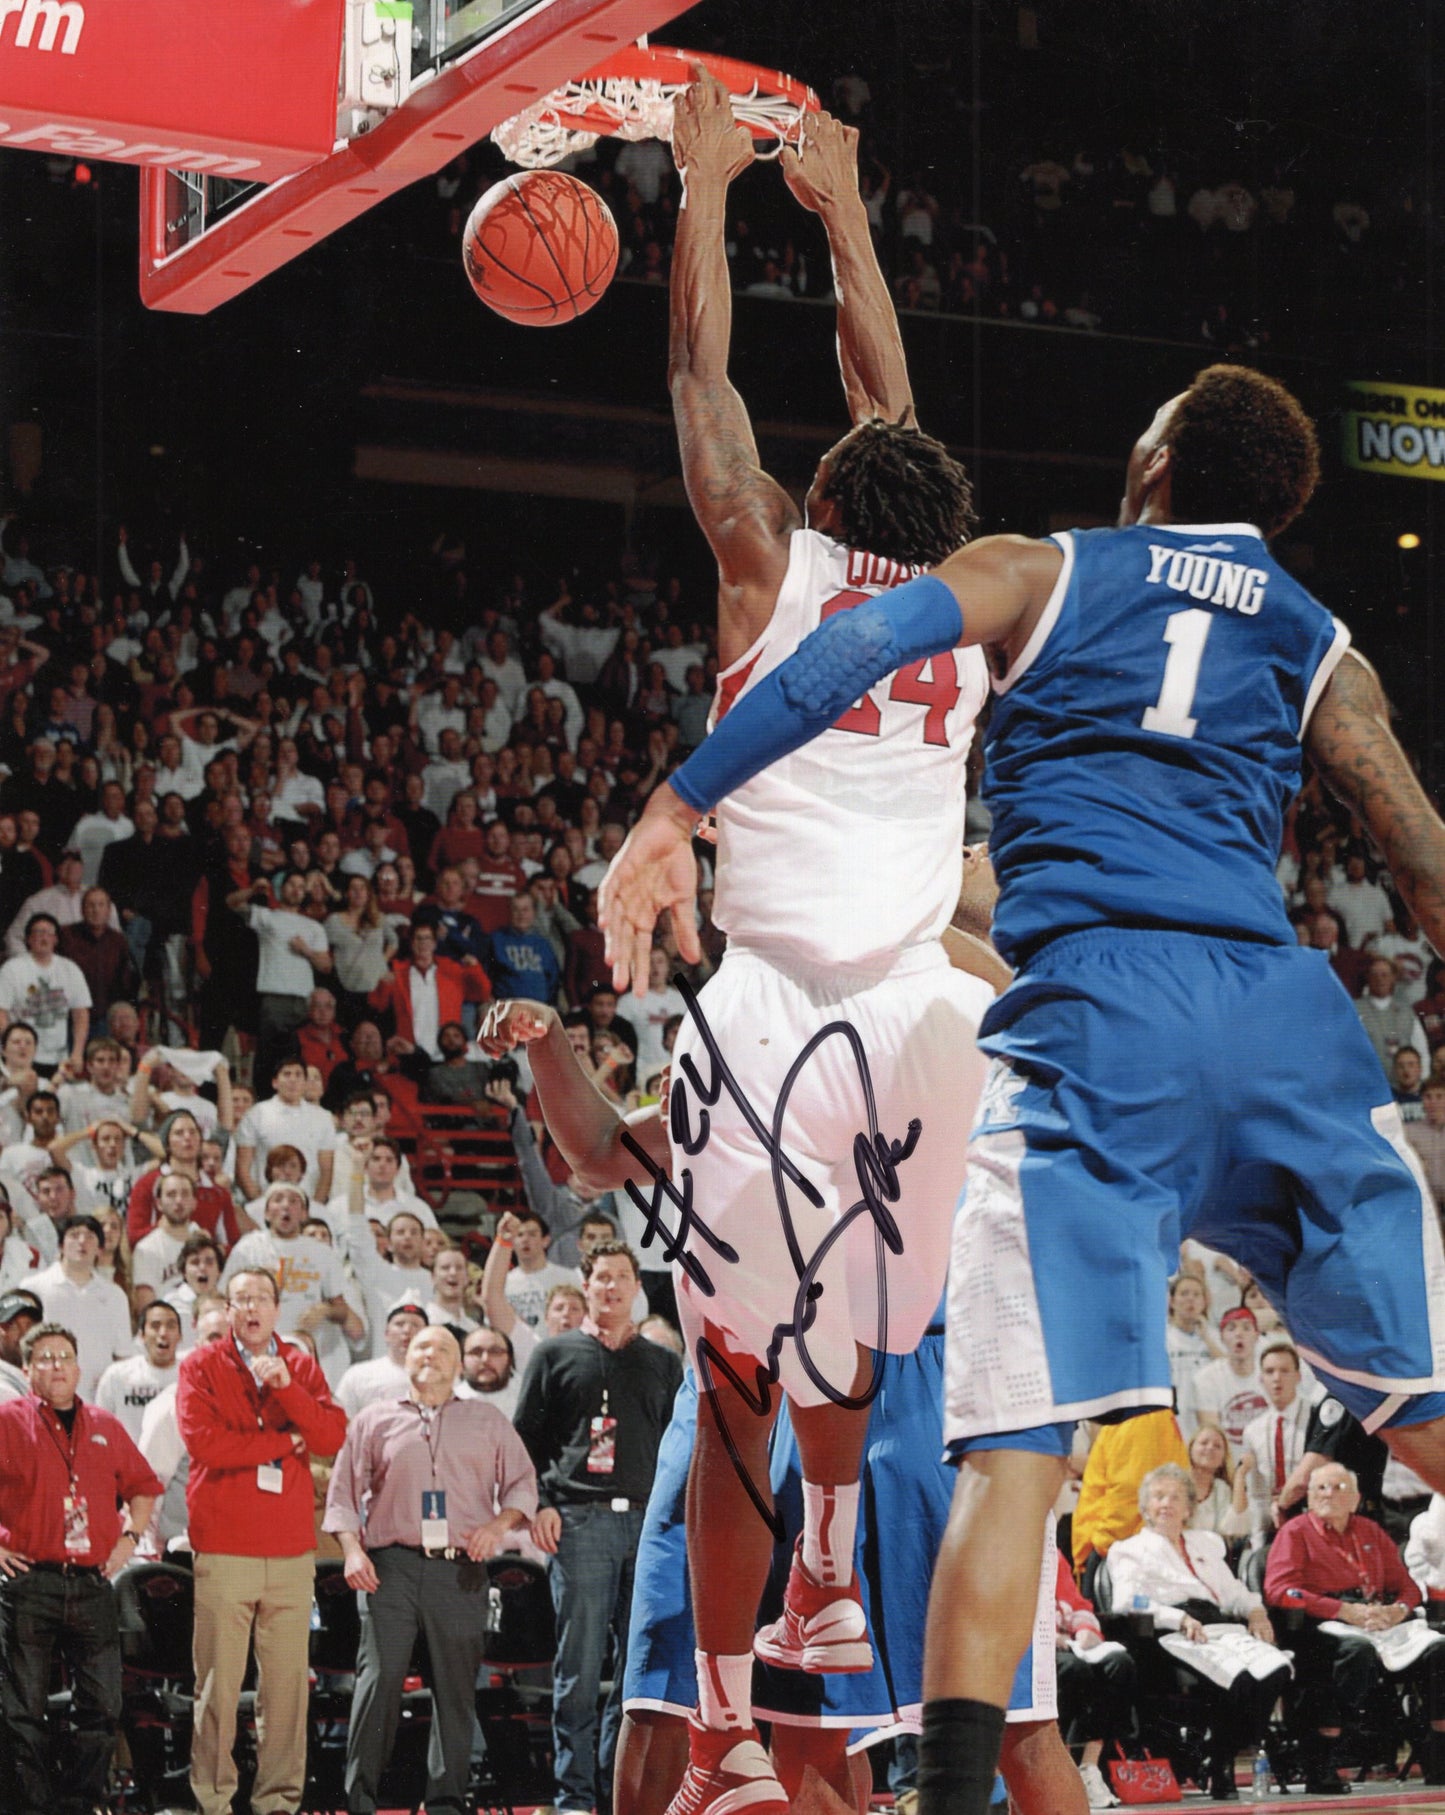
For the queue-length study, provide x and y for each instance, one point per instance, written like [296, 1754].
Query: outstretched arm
[585, 1124]
[746, 516]
[991, 592]
[123, 560]
[1350, 742]
[823, 174]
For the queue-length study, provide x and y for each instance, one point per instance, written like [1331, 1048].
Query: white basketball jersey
[850, 849]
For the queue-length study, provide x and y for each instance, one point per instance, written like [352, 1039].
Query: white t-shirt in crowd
[1363, 906]
[272, 1123]
[21, 1163]
[97, 1189]
[127, 1388]
[280, 971]
[504, 1399]
[364, 1382]
[459, 1320]
[295, 792]
[81, 1104]
[649, 1017]
[195, 756]
[156, 1258]
[206, 1113]
[1233, 1400]
[336, 1211]
[442, 782]
[44, 995]
[182, 781]
[18, 1260]
[97, 1312]
[1188, 1352]
[425, 1009]
[527, 1292]
[384, 1284]
[92, 834]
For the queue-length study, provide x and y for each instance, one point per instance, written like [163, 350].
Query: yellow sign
[1397, 429]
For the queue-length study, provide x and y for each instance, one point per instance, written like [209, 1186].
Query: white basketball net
[636, 109]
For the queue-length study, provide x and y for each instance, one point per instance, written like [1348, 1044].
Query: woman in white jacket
[1181, 1579]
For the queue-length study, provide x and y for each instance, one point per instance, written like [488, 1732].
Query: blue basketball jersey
[1144, 747]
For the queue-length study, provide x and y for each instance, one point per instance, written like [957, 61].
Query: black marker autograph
[876, 1161]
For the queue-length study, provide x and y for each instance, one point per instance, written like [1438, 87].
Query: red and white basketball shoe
[727, 1772]
[823, 1630]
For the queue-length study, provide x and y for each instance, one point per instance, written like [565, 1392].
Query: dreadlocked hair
[1243, 450]
[900, 494]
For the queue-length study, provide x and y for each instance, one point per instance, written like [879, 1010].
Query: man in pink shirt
[427, 1487]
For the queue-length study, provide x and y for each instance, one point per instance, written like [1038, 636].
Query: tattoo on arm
[725, 484]
[745, 515]
[1351, 743]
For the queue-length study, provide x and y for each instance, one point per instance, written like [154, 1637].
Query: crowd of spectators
[257, 806]
[265, 848]
[1341, 902]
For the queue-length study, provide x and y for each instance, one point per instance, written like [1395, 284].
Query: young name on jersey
[1204, 576]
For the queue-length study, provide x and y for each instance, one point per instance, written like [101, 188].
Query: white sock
[830, 1522]
[725, 1690]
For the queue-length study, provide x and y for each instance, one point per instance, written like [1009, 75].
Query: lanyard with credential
[431, 1419]
[435, 1532]
[75, 1515]
[66, 1449]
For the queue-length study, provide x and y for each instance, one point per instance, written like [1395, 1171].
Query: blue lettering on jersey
[1140, 766]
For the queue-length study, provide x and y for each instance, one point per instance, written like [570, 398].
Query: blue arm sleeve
[826, 673]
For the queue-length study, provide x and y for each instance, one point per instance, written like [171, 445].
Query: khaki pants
[236, 1597]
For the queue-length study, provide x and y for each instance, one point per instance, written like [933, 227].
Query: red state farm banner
[243, 88]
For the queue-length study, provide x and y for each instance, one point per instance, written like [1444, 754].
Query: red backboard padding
[554, 42]
[248, 87]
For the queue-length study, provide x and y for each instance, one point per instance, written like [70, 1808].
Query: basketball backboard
[259, 129]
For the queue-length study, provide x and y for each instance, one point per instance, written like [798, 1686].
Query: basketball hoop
[631, 96]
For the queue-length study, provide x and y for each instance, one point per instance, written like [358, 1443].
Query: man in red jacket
[424, 992]
[250, 1410]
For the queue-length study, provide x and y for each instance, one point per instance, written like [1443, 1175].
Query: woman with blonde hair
[1190, 1340]
[1221, 1491]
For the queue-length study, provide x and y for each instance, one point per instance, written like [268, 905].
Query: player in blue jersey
[1168, 1062]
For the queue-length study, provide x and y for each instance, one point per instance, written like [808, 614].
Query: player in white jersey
[835, 882]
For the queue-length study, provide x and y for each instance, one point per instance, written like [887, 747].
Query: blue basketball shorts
[902, 1513]
[1148, 1086]
[660, 1673]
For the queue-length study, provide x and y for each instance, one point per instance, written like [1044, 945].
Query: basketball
[540, 248]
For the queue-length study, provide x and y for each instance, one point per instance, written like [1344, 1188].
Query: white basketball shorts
[808, 1070]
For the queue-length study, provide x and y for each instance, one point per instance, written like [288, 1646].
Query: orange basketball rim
[631, 96]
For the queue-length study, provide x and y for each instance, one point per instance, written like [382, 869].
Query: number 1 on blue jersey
[1186, 633]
